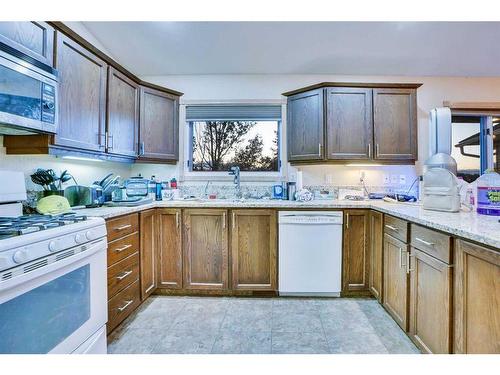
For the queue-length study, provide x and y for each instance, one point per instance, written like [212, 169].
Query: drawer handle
[123, 227]
[127, 304]
[120, 249]
[391, 227]
[424, 241]
[124, 275]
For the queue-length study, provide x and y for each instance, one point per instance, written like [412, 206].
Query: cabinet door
[122, 114]
[205, 244]
[376, 254]
[35, 39]
[395, 124]
[349, 125]
[476, 299]
[82, 96]
[159, 126]
[396, 286]
[253, 249]
[430, 303]
[169, 249]
[355, 252]
[149, 233]
[305, 126]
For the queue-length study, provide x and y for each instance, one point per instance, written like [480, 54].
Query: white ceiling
[352, 48]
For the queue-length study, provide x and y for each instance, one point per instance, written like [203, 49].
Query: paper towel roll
[299, 180]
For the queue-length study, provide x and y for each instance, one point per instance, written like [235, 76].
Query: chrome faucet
[236, 172]
[205, 193]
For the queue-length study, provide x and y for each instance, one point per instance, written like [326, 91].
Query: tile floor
[202, 325]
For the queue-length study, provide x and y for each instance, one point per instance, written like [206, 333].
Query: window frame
[185, 172]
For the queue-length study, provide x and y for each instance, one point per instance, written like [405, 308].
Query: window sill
[225, 177]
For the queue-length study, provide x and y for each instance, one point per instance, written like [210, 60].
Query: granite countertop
[469, 225]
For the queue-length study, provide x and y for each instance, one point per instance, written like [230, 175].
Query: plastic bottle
[488, 193]
[152, 187]
[158, 189]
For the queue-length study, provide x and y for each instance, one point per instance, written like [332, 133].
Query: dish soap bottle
[488, 193]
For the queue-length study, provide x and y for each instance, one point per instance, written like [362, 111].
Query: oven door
[57, 307]
[28, 96]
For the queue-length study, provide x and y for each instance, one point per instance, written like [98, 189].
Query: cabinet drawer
[397, 228]
[121, 226]
[122, 248]
[121, 305]
[431, 242]
[122, 274]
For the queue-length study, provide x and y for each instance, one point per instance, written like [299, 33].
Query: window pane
[218, 145]
[466, 149]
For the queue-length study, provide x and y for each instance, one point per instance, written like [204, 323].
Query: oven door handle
[93, 248]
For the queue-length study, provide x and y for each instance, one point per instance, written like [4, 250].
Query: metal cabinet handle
[141, 148]
[224, 220]
[369, 150]
[127, 304]
[177, 219]
[125, 247]
[391, 227]
[319, 149]
[234, 220]
[124, 275]
[401, 264]
[377, 150]
[408, 258]
[123, 227]
[424, 241]
[347, 221]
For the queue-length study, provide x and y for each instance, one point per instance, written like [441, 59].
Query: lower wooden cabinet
[476, 299]
[376, 254]
[149, 233]
[205, 243]
[169, 248]
[355, 251]
[396, 285]
[430, 302]
[253, 249]
[122, 304]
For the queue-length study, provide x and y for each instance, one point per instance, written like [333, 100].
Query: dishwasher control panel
[308, 217]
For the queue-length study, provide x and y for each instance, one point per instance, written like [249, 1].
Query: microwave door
[54, 308]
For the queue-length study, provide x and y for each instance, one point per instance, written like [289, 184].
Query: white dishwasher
[310, 253]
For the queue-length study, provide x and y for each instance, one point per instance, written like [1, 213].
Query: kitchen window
[475, 145]
[222, 136]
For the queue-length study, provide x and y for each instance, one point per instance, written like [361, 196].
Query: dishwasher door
[310, 253]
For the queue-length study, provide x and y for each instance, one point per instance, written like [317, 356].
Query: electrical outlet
[387, 179]
[402, 179]
[394, 179]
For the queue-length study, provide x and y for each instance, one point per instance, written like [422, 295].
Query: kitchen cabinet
[476, 299]
[376, 254]
[169, 248]
[206, 254]
[349, 126]
[82, 97]
[149, 240]
[355, 256]
[430, 302]
[253, 249]
[122, 125]
[396, 284]
[395, 123]
[34, 39]
[158, 126]
[305, 126]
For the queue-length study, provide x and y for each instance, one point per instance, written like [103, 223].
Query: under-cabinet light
[81, 158]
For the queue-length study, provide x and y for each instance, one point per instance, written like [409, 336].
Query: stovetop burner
[16, 226]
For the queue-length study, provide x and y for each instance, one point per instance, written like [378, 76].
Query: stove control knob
[53, 246]
[89, 235]
[79, 238]
[20, 256]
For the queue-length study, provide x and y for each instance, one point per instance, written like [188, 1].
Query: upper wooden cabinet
[476, 299]
[254, 249]
[305, 126]
[355, 251]
[82, 97]
[206, 253]
[339, 122]
[395, 123]
[349, 127]
[34, 39]
[122, 129]
[159, 126]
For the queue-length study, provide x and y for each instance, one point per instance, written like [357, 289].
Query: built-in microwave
[28, 95]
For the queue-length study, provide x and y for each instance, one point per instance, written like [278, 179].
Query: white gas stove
[53, 288]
